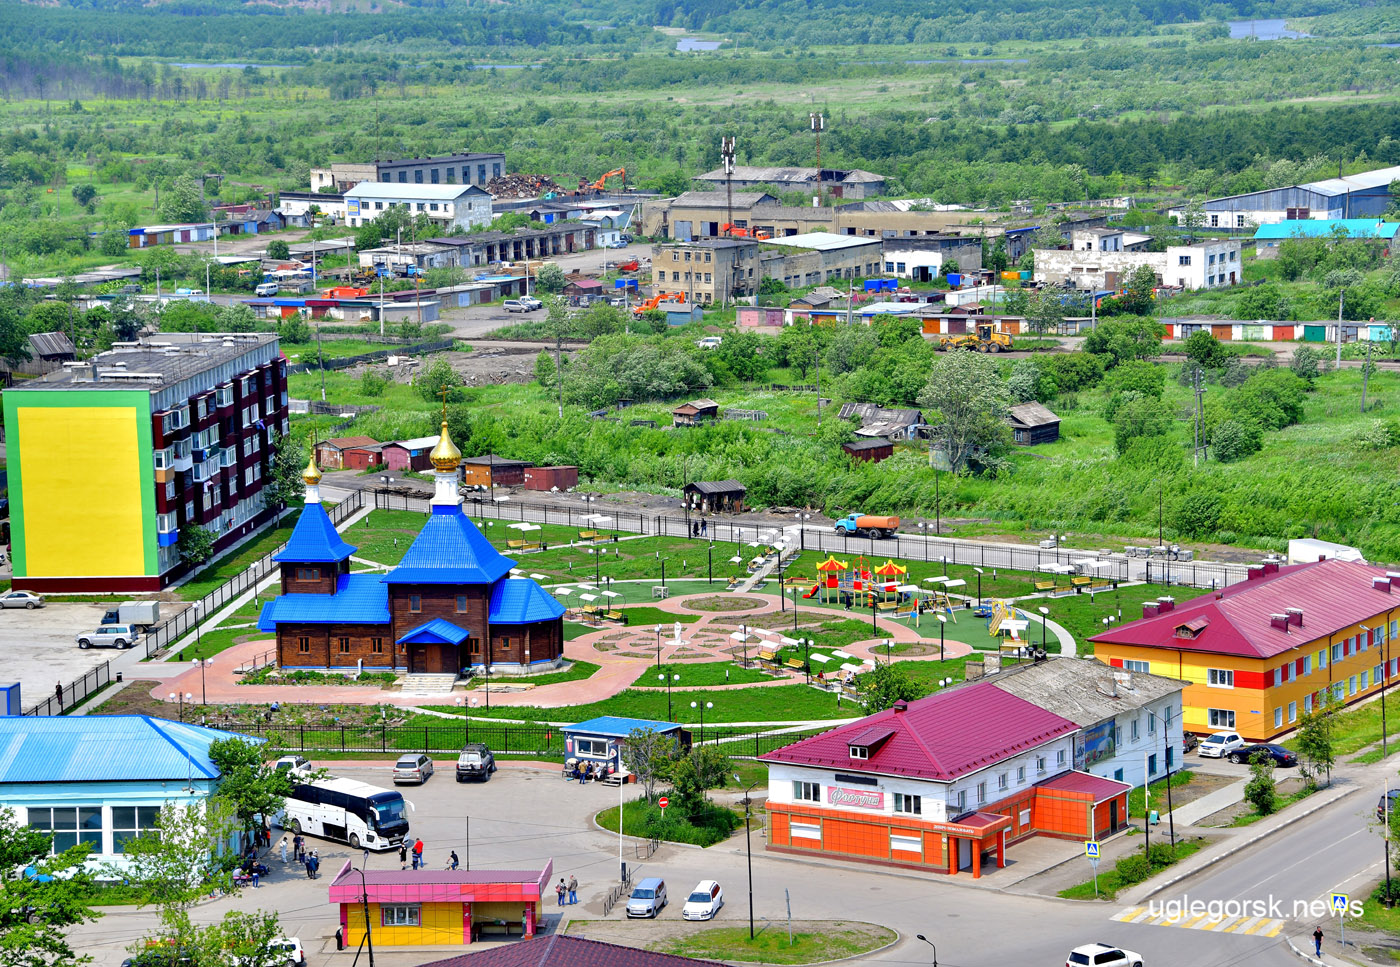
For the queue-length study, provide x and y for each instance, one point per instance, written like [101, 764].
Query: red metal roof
[423, 886]
[1100, 788]
[941, 737]
[1333, 595]
[559, 950]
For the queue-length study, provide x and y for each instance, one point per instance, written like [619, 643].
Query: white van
[266, 289]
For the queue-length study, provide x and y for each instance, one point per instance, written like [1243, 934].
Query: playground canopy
[831, 564]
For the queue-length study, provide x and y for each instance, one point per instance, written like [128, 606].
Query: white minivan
[266, 289]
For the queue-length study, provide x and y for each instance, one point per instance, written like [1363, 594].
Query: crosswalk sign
[1339, 903]
[1091, 849]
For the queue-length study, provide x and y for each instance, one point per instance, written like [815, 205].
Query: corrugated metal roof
[434, 631]
[358, 599]
[824, 241]
[1084, 692]
[520, 601]
[51, 344]
[712, 199]
[614, 725]
[561, 950]
[1358, 182]
[941, 737]
[450, 550]
[105, 748]
[343, 442]
[314, 540]
[1032, 414]
[392, 191]
[1097, 786]
[1333, 594]
[716, 486]
[1318, 228]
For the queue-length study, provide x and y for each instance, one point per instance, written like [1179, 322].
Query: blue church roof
[314, 540]
[450, 550]
[76, 748]
[520, 601]
[358, 599]
[436, 631]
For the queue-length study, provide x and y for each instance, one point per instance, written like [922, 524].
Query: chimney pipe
[1295, 616]
[1165, 603]
[1271, 567]
[1150, 609]
[1256, 572]
[1393, 577]
[1381, 584]
[1279, 621]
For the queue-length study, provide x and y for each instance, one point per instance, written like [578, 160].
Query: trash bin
[1153, 819]
[119, 676]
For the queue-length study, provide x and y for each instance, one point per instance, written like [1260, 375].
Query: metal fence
[983, 554]
[171, 630]
[67, 696]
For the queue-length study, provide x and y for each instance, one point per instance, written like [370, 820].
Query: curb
[1302, 953]
[1243, 845]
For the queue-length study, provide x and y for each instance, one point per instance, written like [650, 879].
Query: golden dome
[311, 474]
[445, 455]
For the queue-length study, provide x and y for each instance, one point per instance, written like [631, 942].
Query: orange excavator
[597, 186]
[656, 300]
[732, 232]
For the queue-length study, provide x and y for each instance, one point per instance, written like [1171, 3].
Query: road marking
[1249, 926]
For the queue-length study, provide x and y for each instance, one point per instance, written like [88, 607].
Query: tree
[182, 201]
[1203, 348]
[254, 789]
[1193, 216]
[278, 250]
[196, 544]
[1046, 236]
[37, 908]
[14, 339]
[550, 279]
[1024, 380]
[84, 194]
[1137, 416]
[178, 860]
[440, 376]
[1315, 752]
[544, 368]
[886, 684]
[294, 330]
[1045, 310]
[1260, 791]
[648, 757]
[284, 485]
[1118, 340]
[373, 383]
[1305, 363]
[1137, 297]
[997, 260]
[968, 394]
[1136, 376]
[1233, 440]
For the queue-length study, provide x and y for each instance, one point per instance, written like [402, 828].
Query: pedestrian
[255, 876]
[283, 846]
[403, 855]
[307, 863]
[1317, 941]
[573, 889]
[298, 848]
[454, 860]
[315, 865]
[695, 529]
[560, 890]
[418, 854]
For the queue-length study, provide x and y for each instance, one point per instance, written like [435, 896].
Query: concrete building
[815, 258]
[452, 169]
[1365, 195]
[103, 780]
[183, 427]
[1258, 654]
[707, 270]
[490, 248]
[1130, 722]
[151, 235]
[1202, 265]
[295, 206]
[836, 182]
[1108, 240]
[922, 258]
[408, 257]
[450, 206]
[1267, 238]
[937, 783]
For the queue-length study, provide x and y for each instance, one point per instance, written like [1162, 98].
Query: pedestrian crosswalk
[1157, 917]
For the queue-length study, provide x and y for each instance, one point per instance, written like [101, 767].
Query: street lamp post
[710, 552]
[203, 692]
[748, 841]
[702, 707]
[801, 528]
[364, 898]
[1044, 614]
[931, 944]
[658, 648]
[668, 679]
[196, 608]
[979, 586]
[181, 699]
[807, 658]
[942, 623]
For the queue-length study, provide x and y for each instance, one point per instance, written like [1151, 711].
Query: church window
[376, 645]
[415, 603]
[304, 645]
[344, 645]
[308, 574]
[461, 604]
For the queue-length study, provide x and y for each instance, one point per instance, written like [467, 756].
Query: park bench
[733, 584]
[1081, 582]
[1045, 585]
[616, 616]
[768, 657]
[1063, 590]
[590, 536]
[1101, 585]
[795, 664]
[888, 606]
[525, 545]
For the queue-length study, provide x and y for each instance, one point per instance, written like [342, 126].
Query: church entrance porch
[433, 659]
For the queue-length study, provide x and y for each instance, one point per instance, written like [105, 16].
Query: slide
[815, 589]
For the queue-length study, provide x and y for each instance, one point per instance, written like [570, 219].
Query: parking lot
[39, 648]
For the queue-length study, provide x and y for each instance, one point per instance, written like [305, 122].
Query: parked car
[530, 303]
[1102, 955]
[295, 764]
[1219, 744]
[647, 899]
[475, 762]
[704, 901]
[1394, 796]
[109, 636]
[22, 599]
[514, 305]
[625, 237]
[1189, 740]
[617, 244]
[414, 767]
[289, 949]
[1280, 755]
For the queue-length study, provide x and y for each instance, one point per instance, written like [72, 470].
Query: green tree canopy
[967, 393]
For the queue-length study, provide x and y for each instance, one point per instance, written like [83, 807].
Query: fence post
[342, 738]
[301, 738]
[425, 738]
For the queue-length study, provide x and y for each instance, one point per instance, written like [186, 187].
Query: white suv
[113, 636]
[1219, 744]
[1102, 955]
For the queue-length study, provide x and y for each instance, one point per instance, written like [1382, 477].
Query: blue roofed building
[603, 741]
[102, 779]
[1268, 237]
[449, 606]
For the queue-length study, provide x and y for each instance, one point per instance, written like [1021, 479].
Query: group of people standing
[587, 772]
[299, 854]
[567, 894]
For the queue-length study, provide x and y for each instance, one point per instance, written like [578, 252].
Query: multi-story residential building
[1258, 655]
[1203, 265]
[938, 783]
[449, 206]
[182, 428]
[451, 169]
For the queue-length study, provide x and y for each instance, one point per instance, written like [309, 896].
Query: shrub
[1377, 435]
[1203, 348]
[1305, 363]
[1272, 398]
[1260, 791]
[1233, 440]
[373, 384]
[1197, 514]
[1133, 868]
[1160, 855]
[1136, 376]
[1072, 371]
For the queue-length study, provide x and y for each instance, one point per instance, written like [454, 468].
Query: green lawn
[1083, 616]
[211, 642]
[645, 614]
[1356, 728]
[779, 703]
[236, 562]
[1110, 881]
[579, 671]
[812, 942]
[996, 583]
[1250, 818]
[1157, 794]
[701, 673]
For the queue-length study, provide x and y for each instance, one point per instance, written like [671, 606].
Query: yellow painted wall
[441, 924]
[82, 492]
[511, 912]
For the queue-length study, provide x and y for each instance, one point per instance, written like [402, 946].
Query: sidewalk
[1198, 809]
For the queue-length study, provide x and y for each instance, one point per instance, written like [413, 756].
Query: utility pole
[558, 367]
[818, 126]
[1198, 421]
[1366, 374]
[1341, 305]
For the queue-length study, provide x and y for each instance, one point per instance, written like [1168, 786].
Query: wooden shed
[330, 453]
[695, 413]
[715, 496]
[493, 471]
[1032, 423]
[410, 454]
[871, 450]
[551, 478]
